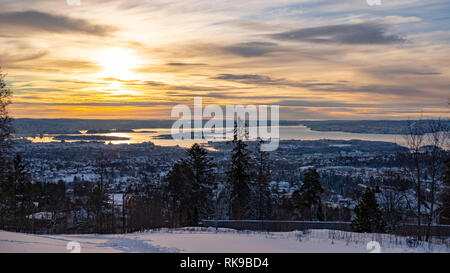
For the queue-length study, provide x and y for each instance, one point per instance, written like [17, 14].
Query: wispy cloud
[41, 21]
[22, 56]
[252, 49]
[363, 33]
[182, 64]
[335, 87]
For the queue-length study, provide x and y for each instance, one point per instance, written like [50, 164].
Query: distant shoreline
[26, 126]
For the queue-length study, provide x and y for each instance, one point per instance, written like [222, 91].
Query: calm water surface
[286, 133]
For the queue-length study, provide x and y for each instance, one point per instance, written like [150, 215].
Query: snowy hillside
[209, 240]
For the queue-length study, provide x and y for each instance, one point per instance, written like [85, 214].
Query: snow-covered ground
[209, 240]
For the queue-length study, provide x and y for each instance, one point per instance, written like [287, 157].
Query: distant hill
[28, 126]
[396, 127]
[73, 126]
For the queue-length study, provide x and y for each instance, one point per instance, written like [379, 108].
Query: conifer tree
[6, 129]
[98, 200]
[202, 182]
[239, 177]
[264, 199]
[21, 182]
[190, 184]
[178, 190]
[307, 198]
[368, 215]
[5, 120]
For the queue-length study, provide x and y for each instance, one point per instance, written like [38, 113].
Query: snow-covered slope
[210, 240]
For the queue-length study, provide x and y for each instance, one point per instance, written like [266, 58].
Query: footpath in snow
[208, 240]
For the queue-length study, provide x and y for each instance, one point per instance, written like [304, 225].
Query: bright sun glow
[117, 63]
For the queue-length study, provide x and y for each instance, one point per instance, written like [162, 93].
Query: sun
[117, 63]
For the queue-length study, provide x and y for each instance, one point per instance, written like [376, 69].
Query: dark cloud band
[41, 21]
[363, 33]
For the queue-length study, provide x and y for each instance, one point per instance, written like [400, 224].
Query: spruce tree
[23, 191]
[98, 201]
[202, 182]
[6, 129]
[239, 177]
[263, 195]
[368, 215]
[307, 198]
[178, 189]
[190, 184]
[99, 198]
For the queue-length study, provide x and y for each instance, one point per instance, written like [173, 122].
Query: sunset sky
[137, 59]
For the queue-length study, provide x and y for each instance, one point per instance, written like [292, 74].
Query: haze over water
[286, 133]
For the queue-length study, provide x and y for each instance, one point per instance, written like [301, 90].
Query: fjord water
[286, 133]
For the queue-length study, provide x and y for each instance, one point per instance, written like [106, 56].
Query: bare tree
[436, 140]
[395, 201]
[414, 141]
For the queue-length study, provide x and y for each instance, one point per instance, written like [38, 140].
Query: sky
[318, 60]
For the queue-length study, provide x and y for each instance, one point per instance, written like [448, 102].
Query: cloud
[57, 66]
[251, 49]
[13, 52]
[134, 104]
[373, 89]
[182, 64]
[336, 87]
[41, 21]
[7, 58]
[164, 86]
[266, 80]
[246, 78]
[363, 33]
[401, 20]
[386, 71]
[327, 104]
[159, 85]
[252, 25]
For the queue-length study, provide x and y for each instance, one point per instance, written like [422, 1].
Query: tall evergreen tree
[6, 129]
[368, 215]
[15, 186]
[190, 184]
[307, 198]
[178, 189]
[202, 182]
[239, 177]
[98, 201]
[22, 188]
[263, 195]
[99, 198]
